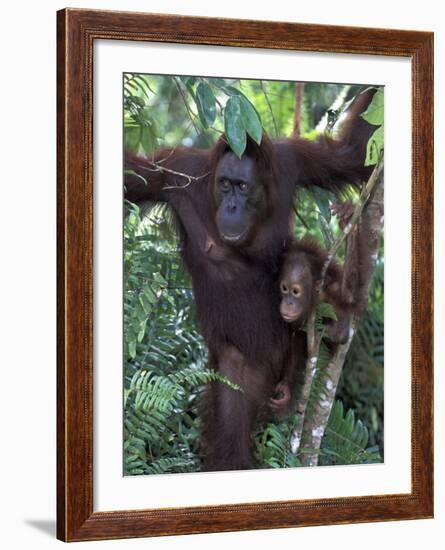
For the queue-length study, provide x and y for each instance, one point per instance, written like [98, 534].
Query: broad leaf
[218, 82]
[374, 114]
[206, 104]
[234, 127]
[374, 147]
[251, 120]
[231, 90]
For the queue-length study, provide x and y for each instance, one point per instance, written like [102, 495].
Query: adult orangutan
[233, 217]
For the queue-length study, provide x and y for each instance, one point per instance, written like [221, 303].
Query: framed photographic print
[243, 309]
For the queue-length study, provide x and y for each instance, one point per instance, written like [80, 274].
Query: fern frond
[272, 445]
[345, 440]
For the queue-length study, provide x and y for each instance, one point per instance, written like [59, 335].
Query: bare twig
[156, 167]
[300, 217]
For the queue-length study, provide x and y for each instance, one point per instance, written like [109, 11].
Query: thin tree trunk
[310, 431]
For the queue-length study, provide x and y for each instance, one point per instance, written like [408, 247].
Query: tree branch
[315, 426]
[313, 350]
[157, 167]
[363, 199]
[310, 430]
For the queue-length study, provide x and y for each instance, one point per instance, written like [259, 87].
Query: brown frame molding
[76, 32]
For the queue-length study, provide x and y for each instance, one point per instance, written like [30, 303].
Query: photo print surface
[253, 274]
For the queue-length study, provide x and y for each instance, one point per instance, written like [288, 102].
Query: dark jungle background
[165, 356]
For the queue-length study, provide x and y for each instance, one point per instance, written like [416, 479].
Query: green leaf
[132, 349]
[234, 127]
[187, 80]
[374, 147]
[139, 101]
[348, 425]
[159, 279]
[150, 295]
[336, 416]
[141, 332]
[326, 310]
[231, 90]
[218, 82]
[142, 84]
[206, 104]
[345, 440]
[374, 114]
[251, 120]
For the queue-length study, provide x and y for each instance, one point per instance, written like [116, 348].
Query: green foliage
[374, 147]
[165, 357]
[206, 104]
[251, 120]
[240, 120]
[140, 126]
[234, 127]
[374, 114]
[212, 104]
[346, 440]
[324, 311]
[272, 448]
[160, 419]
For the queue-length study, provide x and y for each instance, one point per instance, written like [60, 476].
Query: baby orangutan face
[297, 288]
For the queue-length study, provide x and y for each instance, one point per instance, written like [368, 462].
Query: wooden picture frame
[77, 31]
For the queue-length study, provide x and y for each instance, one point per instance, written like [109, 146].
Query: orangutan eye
[243, 186]
[224, 185]
[296, 291]
[284, 288]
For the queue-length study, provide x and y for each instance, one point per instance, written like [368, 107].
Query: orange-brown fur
[236, 287]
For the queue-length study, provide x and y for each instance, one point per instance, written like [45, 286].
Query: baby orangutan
[344, 288]
[300, 274]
